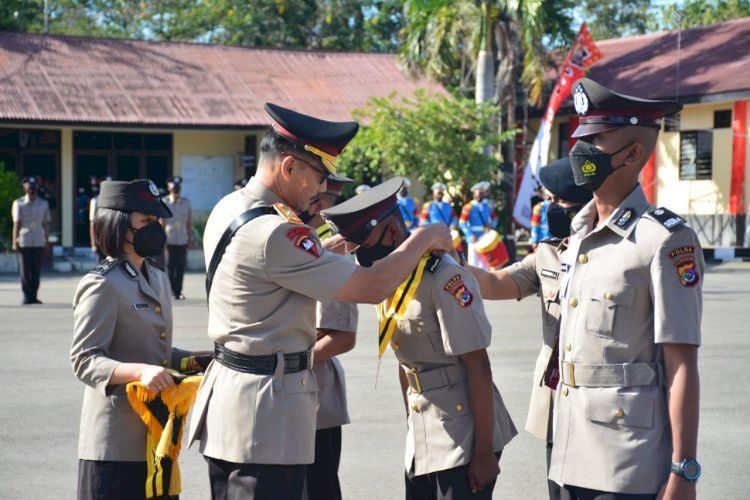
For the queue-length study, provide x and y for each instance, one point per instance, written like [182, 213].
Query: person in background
[31, 219]
[539, 226]
[438, 210]
[408, 207]
[179, 229]
[240, 183]
[477, 217]
[122, 332]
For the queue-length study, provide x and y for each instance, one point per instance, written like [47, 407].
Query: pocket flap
[300, 382]
[450, 401]
[635, 410]
[619, 296]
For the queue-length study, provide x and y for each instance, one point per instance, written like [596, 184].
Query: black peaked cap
[327, 136]
[557, 178]
[140, 195]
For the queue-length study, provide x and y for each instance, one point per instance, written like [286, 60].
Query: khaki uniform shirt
[332, 408]
[119, 317]
[445, 319]
[633, 284]
[263, 302]
[176, 226]
[539, 273]
[31, 216]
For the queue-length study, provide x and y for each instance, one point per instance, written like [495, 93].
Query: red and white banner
[739, 150]
[583, 53]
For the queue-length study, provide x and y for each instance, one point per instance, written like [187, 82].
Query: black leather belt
[264, 364]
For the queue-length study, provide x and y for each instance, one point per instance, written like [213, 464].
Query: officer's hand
[483, 469]
[156, 378]
[15, 246]
[337, 244]
[439, 235]
[676, 488]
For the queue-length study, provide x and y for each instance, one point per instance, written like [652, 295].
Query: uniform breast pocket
[414, 329]
[450, 402]
[551, 299]
[607, 311]
[632, 410]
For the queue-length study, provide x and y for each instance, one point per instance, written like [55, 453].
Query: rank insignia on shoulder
[287, 213]
[667, 218]
[687, 271]
[301, 238]
[432, 263]
[456, 287]
[625, 218]
[104, 267]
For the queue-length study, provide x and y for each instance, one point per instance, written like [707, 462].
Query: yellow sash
[392, 308]
[324, 232]
[164, 414]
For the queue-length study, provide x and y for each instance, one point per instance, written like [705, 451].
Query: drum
[492, 249]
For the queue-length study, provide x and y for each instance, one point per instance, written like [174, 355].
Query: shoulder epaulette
[287, 213]
[433, 262]
[154, 263]
[667, 218]
[551, 241]
[104, 266]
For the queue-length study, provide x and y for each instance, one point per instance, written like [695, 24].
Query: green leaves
[430, 137]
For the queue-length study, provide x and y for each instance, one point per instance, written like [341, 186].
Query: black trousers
[231, 481]
[322, 477]
[109, 480]
[176, 264]
[553, 487]
[450, 484]
[30, 262]
[577, 493]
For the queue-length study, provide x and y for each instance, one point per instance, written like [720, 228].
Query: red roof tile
[82, 80]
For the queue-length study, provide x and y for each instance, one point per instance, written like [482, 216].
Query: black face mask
[149, 240]
[366, 256]
[31, 191]
[558, 219]
[590, 165]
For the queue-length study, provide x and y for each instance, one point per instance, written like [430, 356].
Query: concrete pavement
[40, 399]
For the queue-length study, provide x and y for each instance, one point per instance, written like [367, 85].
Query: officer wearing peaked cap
[266, 270]
[436, 325]
[30, 236]
[539, 274]
[627, 403]
[179, 230]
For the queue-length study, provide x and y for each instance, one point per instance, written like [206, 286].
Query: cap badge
[633, 120]
[581, 101]
[374, 222]
[588, 168]
[152, 187]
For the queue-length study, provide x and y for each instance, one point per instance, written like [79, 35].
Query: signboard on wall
[206, 180]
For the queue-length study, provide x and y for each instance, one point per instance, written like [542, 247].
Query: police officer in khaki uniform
[122, 333]
[539, 274]
[30, 235]
[255, 411]
[436, 325]
[337, 327]
[626, 420]
[179, 230]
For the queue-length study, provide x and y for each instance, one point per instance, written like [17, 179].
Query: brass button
[609, 295]
[583, 258]
[459, 407]
[163, 335]
[565, 391]
[568, 347]
[164, 362]
[573, 302]
[419, 329]
[619, 413]
[415, 408]
[157, 309]
[394, 345]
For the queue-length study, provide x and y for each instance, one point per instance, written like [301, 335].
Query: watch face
[692, 470]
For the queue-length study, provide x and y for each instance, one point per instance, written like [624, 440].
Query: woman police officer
[122, 333]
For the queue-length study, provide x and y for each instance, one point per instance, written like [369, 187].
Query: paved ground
[40, 399]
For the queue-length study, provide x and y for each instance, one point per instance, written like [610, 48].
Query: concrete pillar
[68, 188]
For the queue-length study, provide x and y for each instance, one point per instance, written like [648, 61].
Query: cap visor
[593, 128]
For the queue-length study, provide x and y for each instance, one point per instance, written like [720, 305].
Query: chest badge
[141, 307]
[548, 273]
[625, 219]
[456, 287]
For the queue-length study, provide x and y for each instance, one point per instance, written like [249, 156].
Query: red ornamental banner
[583, 53]
[739, 152]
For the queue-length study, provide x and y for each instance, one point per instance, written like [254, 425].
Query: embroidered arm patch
[456, 287]
[301, 238]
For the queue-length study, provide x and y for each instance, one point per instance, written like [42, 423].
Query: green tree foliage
[691, 13]
[10, 189]
[616, 19]
[429, 137]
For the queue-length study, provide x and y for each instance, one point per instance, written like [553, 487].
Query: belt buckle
[412, 374]
[568, 371]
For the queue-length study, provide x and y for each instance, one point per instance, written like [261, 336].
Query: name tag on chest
[141, 307]
[549, 273]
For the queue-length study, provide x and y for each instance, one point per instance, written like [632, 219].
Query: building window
[696, 155]
[723, 118]
[248, 157]
[563, 139]
[672, 123]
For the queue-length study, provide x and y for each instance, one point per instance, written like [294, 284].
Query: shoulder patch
[687, 271]
[667, 218]
[154, 263]
[433, 262]
[104, 267]
[301, 238]
[683, 250]
[287, 213]
[456, 287]
[625, 218]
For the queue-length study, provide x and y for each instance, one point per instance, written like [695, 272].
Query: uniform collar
[133, 273]
[621, 222]
[260, 192]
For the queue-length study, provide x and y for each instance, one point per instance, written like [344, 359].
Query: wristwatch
[689, 469]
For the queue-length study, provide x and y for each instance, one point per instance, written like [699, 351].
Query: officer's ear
[286, 165]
